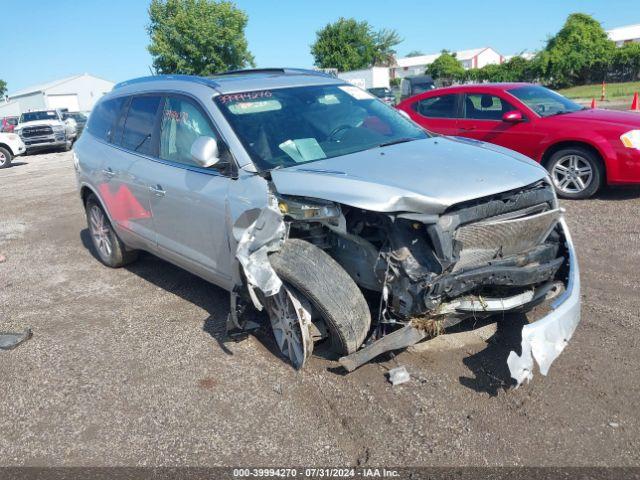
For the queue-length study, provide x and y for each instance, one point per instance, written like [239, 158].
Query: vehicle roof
[482, 86]
[242, 80]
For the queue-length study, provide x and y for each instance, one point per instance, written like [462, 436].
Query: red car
[582, 148]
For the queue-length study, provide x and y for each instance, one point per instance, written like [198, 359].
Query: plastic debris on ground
[398, 376]
[9, 341]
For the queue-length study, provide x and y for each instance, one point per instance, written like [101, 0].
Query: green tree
[3, 88]
[385, 40]
[348, 44]
[579, 53]
[446, 68]
[625, 62]
[415, 53]
[197, 37]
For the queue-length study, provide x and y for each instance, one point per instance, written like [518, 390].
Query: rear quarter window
[444, 106]
[103, 118]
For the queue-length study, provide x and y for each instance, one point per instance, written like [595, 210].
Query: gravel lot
[126, 366]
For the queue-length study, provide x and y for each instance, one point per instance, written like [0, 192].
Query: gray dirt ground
[125, 366]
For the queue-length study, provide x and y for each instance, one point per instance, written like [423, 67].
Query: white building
[77, 93]
[622, 35]
[525, 55]
[474, 58]
[374, 77]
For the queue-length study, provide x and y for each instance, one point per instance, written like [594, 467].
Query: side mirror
[514, 116]
[204, 152]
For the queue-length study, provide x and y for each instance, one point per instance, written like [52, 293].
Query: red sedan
[581, 148]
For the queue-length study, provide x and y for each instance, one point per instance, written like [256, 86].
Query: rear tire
[329, 289]
[106, 243]
[576, 172]
[5, 158]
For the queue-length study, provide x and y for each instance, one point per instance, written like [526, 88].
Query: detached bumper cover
[546, 338]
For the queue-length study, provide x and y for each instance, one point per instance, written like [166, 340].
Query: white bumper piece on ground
[546, 338]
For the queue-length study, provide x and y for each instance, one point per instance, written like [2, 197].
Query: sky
[108, 38]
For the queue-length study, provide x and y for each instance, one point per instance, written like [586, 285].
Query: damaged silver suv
[313, 200]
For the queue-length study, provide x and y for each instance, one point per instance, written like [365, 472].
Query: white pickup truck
[10, 146]
[46, 129]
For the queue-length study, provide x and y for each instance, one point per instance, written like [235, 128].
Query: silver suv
[313, 200]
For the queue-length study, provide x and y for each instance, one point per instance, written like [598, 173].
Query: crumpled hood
[422, 176]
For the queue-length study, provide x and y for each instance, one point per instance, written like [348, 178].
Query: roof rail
[155, 78]
[281, 71]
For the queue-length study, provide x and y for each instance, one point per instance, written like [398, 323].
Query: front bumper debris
[546, 338]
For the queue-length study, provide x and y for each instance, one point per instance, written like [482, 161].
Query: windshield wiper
[396, 141]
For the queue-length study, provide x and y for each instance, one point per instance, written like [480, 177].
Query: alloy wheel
[572, 174]
[291, 322]
[100, 231]
[3, 159]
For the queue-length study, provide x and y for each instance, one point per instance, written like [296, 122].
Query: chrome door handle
[109, 172]
[157, 191]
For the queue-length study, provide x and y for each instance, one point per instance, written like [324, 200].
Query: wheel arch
[7, 147]
[546, 156]
[85, 191]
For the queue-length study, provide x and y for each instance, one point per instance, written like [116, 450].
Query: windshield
[544, 101]
[76, 116]
[290, 126]
[33, 116]
[421, 88]
[381, 92]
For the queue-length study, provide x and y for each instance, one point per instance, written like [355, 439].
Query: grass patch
[614, 90]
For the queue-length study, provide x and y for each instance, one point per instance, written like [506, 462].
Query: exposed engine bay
[503, 253]
[492, 247]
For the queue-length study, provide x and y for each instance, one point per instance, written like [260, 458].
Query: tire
[67, 147]
[560, 168]
[329, 289]
[116, 255]
[5, 158]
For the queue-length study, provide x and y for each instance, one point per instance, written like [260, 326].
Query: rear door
[188, 202]
[482, 119]
[124, 190]
[438, 114]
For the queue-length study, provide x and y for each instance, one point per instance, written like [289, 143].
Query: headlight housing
[300, 208]
[631, 139]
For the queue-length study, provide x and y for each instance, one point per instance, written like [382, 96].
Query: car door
[482, 119]
[122, 190]
[438, 114]
[188, 202]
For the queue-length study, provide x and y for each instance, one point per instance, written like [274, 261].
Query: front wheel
[576, 173]
[5, 158]
[317, 284]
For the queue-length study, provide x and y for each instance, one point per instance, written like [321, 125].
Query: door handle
[108, 172]
[157, 191]
[467, 129]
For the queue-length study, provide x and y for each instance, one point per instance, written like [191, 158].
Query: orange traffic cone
[635, 104]
[593, 103]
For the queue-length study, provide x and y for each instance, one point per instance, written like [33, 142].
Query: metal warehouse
[77, 93]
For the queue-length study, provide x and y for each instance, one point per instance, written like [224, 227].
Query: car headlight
[631, 139]
[58, 128]
[307, 209]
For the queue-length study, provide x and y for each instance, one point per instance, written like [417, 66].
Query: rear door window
[482, 106]
[138, 134]
[445, 106]
[103, 118]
